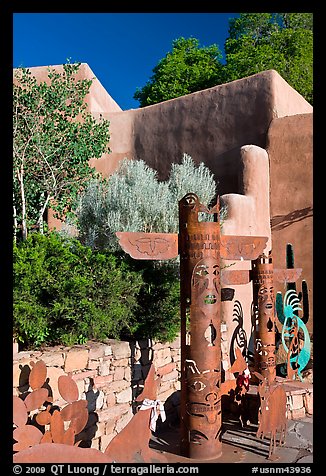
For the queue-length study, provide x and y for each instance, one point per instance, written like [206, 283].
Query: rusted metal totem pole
[263, 275]
[201, 246]
[263, 289]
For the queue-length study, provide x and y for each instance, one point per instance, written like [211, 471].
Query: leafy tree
[189, 67]
[133, 199]
[256, 42]
[280, 41]
[54, 138]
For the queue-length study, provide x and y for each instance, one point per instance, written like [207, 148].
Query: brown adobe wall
[210, 125]
[290, 150]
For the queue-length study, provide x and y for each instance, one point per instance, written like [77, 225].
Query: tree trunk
[22, 192]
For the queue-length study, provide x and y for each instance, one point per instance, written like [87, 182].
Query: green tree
[133, 199]
[189, 67]
[256, 42]
[53, 139]
[280, 41]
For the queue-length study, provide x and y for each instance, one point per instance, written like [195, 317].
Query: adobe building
[255, 135]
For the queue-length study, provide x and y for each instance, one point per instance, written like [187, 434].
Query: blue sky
[120, 48]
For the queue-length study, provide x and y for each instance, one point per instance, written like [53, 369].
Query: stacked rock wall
[108, 375]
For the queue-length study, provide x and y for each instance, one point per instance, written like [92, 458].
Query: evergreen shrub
[65, 293]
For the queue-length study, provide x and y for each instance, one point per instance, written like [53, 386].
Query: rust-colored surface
[287, 275]
[68, 388]
[264, 300]
[30, 440]
[153, 246]
[200, 245]
[272, 413]
[58, 445]
[237, 276]
[131, 445]
[38, 375]
[242, 247]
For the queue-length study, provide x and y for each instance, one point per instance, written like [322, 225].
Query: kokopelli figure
[272, 413]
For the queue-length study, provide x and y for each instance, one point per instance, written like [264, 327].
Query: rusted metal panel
[201, 247]
[235, 276]
[289, 275]
[242, 247]
[272, 413]
[57, 445]
[264, 299]
[152, 246]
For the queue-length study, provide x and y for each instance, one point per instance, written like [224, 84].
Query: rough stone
[174, 375]
[76, 359]
[308, 403]
[113, 412]
[120, 350]
[121, 362]
[118, 373]
[53, 359]
[104, 368]
[124, 396]
[103, 380]
[123, 421]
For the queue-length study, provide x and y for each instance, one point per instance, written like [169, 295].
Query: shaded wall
[210, 125]
[290, 149]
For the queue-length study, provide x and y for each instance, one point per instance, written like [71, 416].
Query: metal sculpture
[297, 356]
[239, 336]
[200, 246]
[272, 413]
[263, 290]
[58, 444]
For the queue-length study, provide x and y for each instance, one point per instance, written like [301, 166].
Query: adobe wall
[290, 149]
[209, 125]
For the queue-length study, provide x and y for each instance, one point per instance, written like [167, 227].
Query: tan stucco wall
[210, 125]
[290, 150]
[98, 99]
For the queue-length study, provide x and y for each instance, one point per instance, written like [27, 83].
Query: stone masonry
[110, 374]
[106, 375]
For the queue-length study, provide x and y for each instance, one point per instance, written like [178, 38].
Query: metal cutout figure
[297, 357]
[239, 336]
[265, 333]
[272, 413]
[53, 442]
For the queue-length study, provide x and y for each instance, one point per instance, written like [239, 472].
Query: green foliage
[158, 313]
[54, 138]
[66, 293]
[133, 199]
[186, 69]
[256, 42]
[281, 41]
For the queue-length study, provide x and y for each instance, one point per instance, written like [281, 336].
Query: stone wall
[108, 375]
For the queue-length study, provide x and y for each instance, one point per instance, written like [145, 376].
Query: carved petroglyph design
[154, 246]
